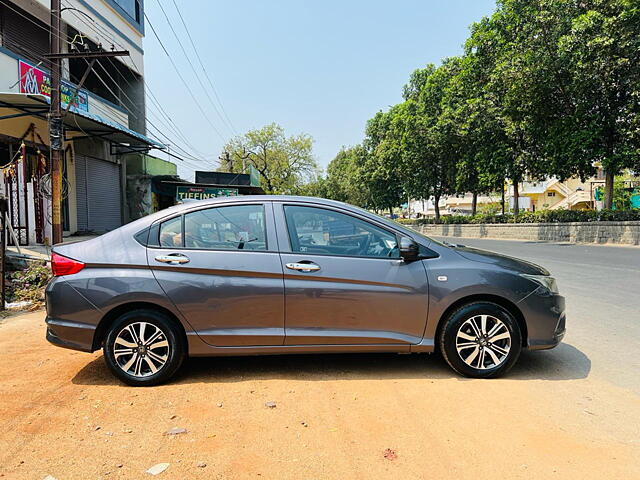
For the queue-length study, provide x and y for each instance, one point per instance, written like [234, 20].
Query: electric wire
[207, 75]
[195, 73]
[40, 57]
[173, 126]
[184, 82]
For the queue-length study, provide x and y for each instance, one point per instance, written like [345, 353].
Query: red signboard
[36, 81]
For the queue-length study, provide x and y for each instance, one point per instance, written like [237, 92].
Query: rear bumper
[546, 319]
[73, 335]
[71, 319]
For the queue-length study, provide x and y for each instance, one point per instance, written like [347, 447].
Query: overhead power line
[195, 73]
[66, 39]
[114, 94]
[207, 75]
[184, 82]
[99, 29]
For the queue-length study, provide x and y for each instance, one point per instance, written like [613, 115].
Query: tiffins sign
[38, 82]
[202, 193]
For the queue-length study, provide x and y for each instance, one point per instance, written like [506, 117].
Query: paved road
[568, 413]
[602, 288]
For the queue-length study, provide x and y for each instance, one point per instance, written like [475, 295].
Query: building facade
[104, 123]
[553, 194]
[142, 172]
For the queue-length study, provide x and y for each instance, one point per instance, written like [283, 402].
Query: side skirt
[198, 348]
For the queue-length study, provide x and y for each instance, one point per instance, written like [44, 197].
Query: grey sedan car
[276, 274]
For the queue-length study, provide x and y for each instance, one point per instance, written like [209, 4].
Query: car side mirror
[409, 249]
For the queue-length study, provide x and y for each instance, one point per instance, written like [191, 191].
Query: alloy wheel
[141, 349]
[483, 342]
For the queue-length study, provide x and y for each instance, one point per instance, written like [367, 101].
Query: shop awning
[85, 123]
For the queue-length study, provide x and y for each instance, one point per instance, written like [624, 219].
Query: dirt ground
[335, 416]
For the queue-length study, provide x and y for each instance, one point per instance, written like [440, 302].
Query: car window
[171, 233]
[321, 231]
[239, 227]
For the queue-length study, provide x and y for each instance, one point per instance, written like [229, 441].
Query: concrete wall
[141, 164]
[626, 233]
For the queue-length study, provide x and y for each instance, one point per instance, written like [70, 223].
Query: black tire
[174, 352]
[449, 341]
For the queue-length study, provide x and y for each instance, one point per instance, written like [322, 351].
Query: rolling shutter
[98, 195]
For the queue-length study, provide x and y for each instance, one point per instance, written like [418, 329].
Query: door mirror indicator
[409, 249]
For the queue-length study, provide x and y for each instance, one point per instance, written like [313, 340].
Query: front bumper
[545, 316]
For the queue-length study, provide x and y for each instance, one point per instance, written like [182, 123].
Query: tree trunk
[516, 197]
[474, 203]
[436, 206]
[502, 197]
[391, 212]
[609, 177]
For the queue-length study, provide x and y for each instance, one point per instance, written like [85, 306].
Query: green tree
[345, 180]
[380, 176]
[544, 88]
[495, 48]
[424, 136]
[316, 187]
[476, 131]
[567, 79]
[284, 163]
[602, 53]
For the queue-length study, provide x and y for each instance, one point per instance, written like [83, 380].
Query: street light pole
[55, 125]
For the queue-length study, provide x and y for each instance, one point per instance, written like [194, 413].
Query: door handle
[173, 259]
[303, 267]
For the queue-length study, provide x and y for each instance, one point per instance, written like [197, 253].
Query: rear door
[344, 280]
[220, 267]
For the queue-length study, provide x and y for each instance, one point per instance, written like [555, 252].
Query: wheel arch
[505, 303]
[121, 309]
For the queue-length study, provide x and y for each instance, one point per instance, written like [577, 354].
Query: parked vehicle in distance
[278, 274]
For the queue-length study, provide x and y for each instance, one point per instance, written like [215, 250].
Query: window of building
[325, 232]
[130, 7]
[551, 194]
[24, 34]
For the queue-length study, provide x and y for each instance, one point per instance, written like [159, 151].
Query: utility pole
[55, 125]
[3, 243]
[56, 131]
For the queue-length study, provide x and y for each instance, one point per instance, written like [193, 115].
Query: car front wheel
[481, 340]
[143, 348]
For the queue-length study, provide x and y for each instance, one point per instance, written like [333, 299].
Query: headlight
[547, 282]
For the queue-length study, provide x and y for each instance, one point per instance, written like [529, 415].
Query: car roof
[177, 209]
[268, 198]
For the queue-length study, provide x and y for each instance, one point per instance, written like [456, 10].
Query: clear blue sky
[322, 68]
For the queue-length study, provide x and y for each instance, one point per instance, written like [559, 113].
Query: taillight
[64, 266]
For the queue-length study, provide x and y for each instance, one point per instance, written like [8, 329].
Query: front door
[221, 269]
[345, 283]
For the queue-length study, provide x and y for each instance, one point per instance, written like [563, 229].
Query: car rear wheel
[481, 340]
[143, 348]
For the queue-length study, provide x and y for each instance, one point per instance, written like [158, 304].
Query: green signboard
[202, 193]
[254, 176]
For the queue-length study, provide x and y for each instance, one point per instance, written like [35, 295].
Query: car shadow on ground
[563, 363]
